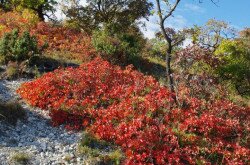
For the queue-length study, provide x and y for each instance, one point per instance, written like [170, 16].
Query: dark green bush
[18, 47]
[99, 151]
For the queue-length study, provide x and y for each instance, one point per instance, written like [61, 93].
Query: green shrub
[16, 47]
[155, 48]
[110, 47]
[92, 142]
[236, 65]
[67, 158]
[120, 48]
[87, 151]
[116, 156]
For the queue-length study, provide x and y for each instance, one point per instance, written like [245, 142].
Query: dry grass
[94, 150]
[11, 112]
[20, 158]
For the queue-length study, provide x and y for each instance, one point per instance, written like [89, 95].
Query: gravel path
[43, 143]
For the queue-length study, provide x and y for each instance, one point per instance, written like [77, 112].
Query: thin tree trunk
[169, 74]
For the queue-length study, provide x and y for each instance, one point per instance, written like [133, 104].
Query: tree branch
[171, 10]
[179, 41]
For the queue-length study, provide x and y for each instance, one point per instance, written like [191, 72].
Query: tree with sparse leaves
[212, 34]
[165, 10]
[169, 35]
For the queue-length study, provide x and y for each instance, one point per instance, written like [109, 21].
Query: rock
[30, 119]
[50, 148]
[43, 146]
[57, 147]
[47, 154]
[42, 154]
[66, 149]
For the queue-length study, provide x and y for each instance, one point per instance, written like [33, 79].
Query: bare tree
[165, 9]
[168, 36]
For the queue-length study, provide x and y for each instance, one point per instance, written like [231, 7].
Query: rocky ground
[35, 137]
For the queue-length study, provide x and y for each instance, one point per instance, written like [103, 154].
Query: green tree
[119, 48]
[235, 55]
[41, 7]
[114, 15]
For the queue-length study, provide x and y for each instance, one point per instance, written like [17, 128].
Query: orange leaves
[64, 39]
[12, 20]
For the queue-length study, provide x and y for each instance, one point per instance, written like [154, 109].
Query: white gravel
[45, 144]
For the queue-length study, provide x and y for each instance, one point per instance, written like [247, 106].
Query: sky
[191, 12]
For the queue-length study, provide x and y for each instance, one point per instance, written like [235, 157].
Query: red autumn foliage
[136, 113]
[64, 39]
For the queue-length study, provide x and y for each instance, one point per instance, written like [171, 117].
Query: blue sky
[190, 12]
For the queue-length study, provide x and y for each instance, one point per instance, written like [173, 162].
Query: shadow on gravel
[35, 132]
[5, 93]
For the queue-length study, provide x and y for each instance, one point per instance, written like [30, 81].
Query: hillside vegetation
[112, 85]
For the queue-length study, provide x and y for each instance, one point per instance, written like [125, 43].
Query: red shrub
[64, 39]
[136, 113]
[92, 85]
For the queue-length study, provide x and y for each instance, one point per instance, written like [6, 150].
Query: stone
[42, 154]
[43, 146]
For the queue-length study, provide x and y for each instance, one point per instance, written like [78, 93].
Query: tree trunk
[169, 73]
[40, 13]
